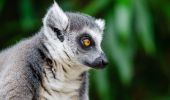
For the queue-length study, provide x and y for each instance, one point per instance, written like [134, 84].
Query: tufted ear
[100, 23]
[56, 18]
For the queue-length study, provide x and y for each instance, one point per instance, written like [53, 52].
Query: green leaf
[144, 29]
[27, 18]
[102, 84]
[122, 49]
[2, 2]
[95, 6]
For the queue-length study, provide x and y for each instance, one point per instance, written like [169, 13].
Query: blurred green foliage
[136, 40]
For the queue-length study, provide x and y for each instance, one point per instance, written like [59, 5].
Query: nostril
[104, 62]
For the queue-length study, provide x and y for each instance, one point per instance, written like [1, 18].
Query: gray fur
[44, 68]
[79, 21]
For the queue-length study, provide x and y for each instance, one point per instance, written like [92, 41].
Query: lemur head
[75, 37]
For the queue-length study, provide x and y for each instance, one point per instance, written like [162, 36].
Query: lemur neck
[66, 72]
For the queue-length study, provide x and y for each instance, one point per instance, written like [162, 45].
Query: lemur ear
[56, 18]
[100, 23]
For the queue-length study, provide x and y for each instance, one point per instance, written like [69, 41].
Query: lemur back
[53, 64]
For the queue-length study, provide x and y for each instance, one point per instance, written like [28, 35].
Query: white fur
[100, 23]
[66, 88]
[57, 15]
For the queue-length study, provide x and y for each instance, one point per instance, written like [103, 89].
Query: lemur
[53, 64]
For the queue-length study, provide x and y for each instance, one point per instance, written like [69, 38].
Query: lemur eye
[86, 42]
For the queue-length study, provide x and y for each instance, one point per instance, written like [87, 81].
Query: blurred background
[136, 41]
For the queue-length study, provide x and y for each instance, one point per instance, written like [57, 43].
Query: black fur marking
[35, 78]
[44, 47]
[66, 27]
[59, 34]
[55, 63]
[83, 88]
[45, 89]
[69, 65]
[67, 55]
[64, 69]
[36, 73]
[53, 74]
[50, 64]
[45, 75]
[77, 52]
[42, 55]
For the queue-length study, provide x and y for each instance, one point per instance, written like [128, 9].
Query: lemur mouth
[98, 63]
[95, 65]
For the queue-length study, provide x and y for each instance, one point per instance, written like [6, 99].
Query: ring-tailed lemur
[53, 64]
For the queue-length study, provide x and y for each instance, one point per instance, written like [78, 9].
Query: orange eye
[86, 42]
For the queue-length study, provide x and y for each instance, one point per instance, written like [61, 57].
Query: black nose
[100, 62]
